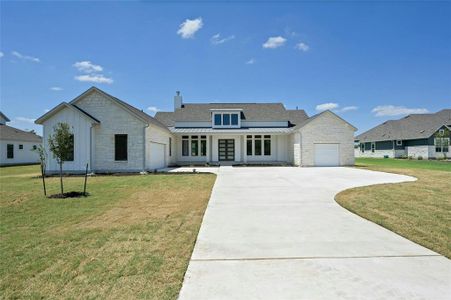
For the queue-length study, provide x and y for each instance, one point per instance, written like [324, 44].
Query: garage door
[327, 155]
[157, 156]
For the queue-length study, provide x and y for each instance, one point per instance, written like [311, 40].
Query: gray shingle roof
[253, 112]
[11, 133]
[415, 126]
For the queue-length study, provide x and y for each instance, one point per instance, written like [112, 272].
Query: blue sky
[368, 61]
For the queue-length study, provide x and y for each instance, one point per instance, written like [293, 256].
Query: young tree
[42, 158]
[61, 144]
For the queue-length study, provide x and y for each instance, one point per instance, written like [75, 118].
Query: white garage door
[327, 155]
[157, 156]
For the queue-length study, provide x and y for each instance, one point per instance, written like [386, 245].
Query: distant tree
[61, 144]
[43, 159]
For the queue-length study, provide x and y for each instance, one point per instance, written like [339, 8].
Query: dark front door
[226, 149]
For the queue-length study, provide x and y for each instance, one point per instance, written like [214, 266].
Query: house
[112, 136]
[16, 145]
[416, 135]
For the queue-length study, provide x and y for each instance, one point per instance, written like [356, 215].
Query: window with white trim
[226, 119]
[258, 145]
[194, 145]
[398, 142]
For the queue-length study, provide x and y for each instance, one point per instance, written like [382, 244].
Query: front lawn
[419, 211]
[132, 238]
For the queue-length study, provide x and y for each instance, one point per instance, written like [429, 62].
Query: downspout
[145, 146]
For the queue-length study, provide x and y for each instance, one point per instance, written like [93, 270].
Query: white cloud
[96, 78]
[190, 27]
[251, 61]
[326, 106]
[26, 120]
[25, 57]
[1, 54]
[153, 109]
[87, 67]
[392, 110]
[302, 47]
[56, 88]
[217, 40]
[348, 108]
[274, 42]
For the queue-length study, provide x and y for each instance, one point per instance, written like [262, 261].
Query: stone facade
[327, 128]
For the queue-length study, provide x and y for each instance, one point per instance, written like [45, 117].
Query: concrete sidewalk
[277, 233]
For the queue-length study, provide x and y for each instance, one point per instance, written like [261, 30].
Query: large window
[203, 145]
[185, 145]
[194, 145]
[267, 145]
[258, 145]
[249, 145]
[10, 151]
[441, 144]
[120, 147]
[70, 155]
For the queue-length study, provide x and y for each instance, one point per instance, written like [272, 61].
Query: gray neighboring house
[16, 145]
[113, 136]
[416, 135]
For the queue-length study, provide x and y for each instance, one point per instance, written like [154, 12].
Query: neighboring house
[112, 136]
[16, 145]
[416, 135]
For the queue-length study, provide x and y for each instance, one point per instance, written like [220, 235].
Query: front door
[226, 149]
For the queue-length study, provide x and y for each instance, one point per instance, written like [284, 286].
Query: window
[35, 147]
[10, 151]
[234, 119]
[267, 145]
[373, 147]
[170, 146]
[120, 147]
[445, 144]
[20, 147]
[441, 144]
[226, 119]
[203, 145]
[194, 145]
[249, 145]
[218, 121]
[441, 131]
[258, 145]
[70, 155]
[185, 145]
[398, 143]
[362, 148]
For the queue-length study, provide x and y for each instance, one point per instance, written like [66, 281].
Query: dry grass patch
[416, 210]
[132, 238]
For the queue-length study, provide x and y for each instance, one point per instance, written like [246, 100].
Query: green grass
[438, 165]
[419, 210]
[132, 238]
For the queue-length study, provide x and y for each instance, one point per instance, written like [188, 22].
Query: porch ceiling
[272, 130]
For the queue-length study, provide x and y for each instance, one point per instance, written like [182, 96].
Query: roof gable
[65, 105]
[124, 105]
[322, 114]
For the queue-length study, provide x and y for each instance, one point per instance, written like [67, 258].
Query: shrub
[420, 157]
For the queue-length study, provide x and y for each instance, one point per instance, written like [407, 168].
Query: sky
[366, 61]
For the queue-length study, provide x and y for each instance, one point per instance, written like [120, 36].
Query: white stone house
[113, 136]
[16, 146]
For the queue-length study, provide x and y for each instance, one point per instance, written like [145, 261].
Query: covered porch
[232, 146]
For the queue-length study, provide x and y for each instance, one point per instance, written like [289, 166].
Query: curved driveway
[277, 233]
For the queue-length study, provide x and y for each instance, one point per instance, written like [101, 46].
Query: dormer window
[226, 118]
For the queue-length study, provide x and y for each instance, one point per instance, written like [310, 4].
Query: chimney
[178, 101]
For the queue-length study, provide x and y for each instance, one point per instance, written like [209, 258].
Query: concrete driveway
[277, 233]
